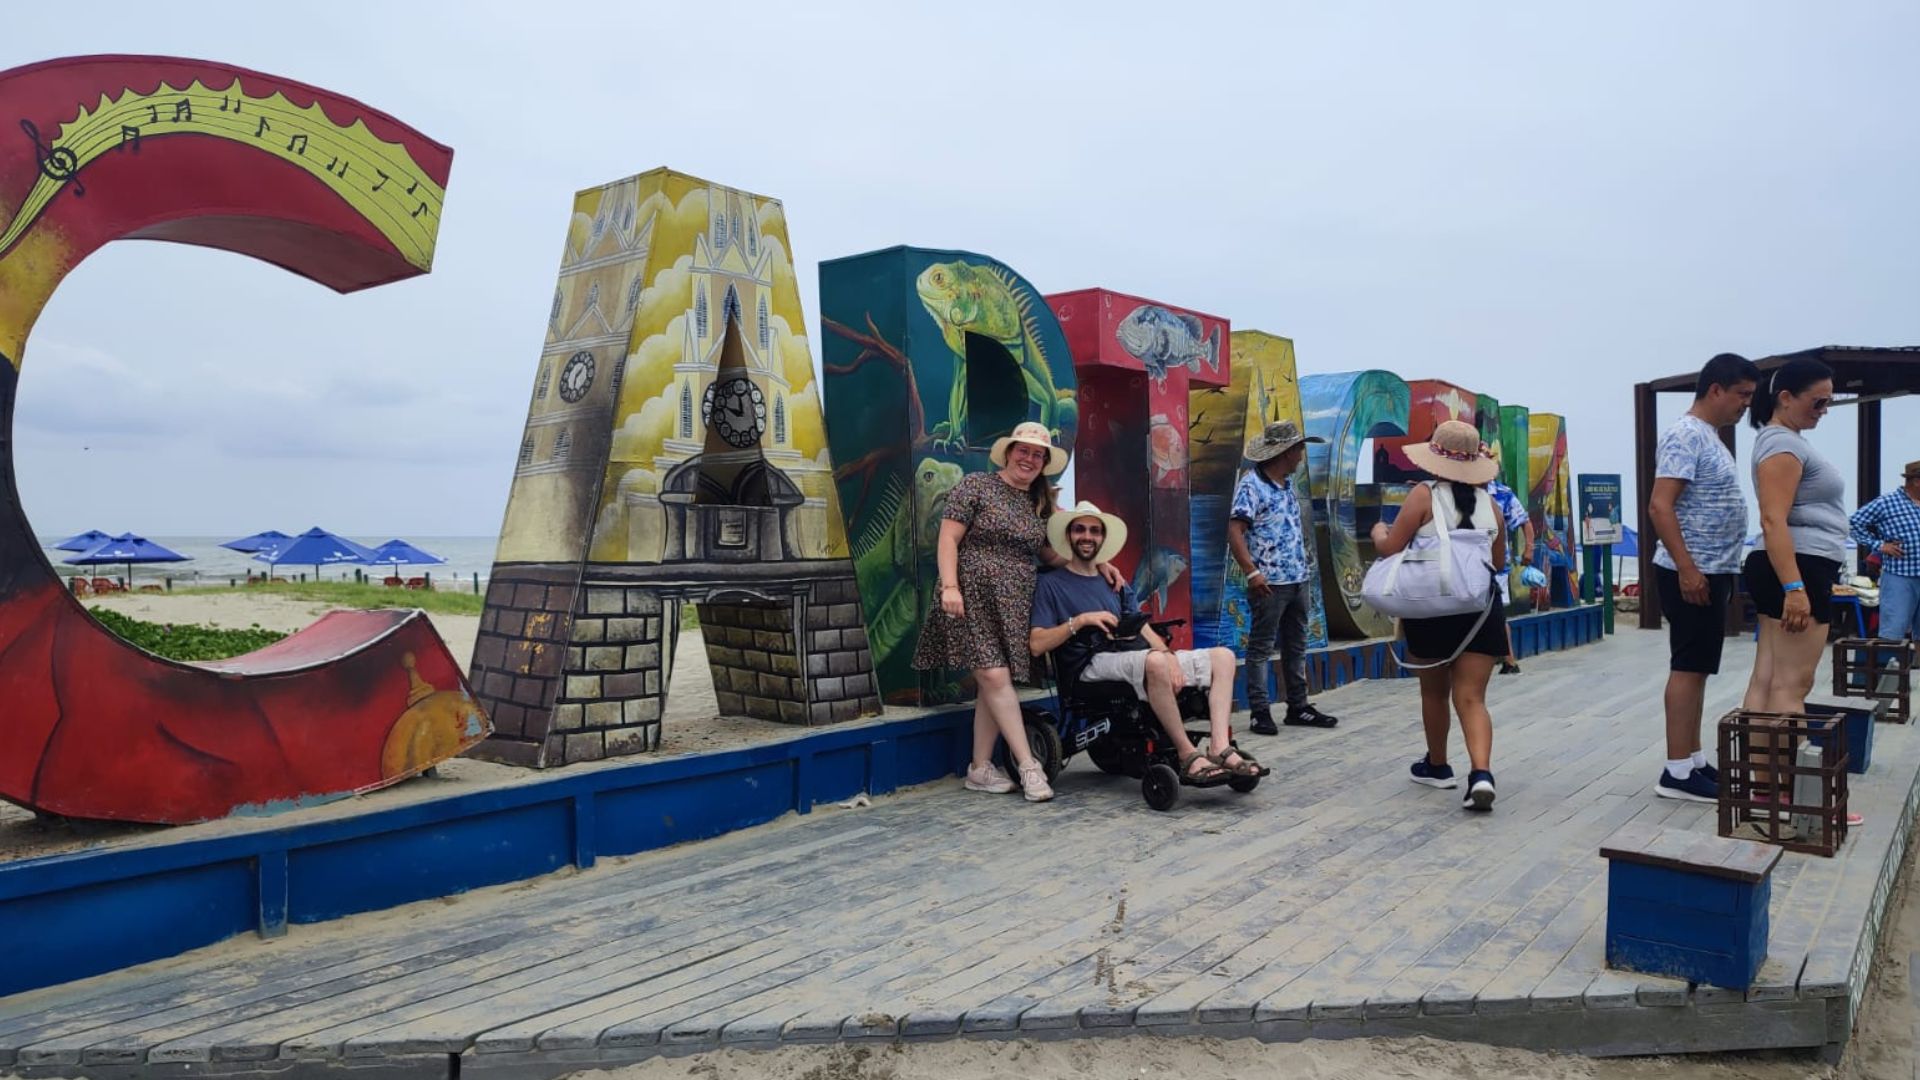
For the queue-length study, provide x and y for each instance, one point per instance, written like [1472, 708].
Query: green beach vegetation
[349, 594]
[185, 642]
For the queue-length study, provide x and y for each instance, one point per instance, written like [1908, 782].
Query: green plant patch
[185, 642]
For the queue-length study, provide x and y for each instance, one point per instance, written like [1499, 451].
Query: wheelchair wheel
[1244, 784]
[1107, 756]
[1161, 786]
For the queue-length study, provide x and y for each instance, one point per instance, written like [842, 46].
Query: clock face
[577, 377]
[736, 409]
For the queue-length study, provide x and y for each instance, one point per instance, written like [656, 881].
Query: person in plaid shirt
[1890, 525]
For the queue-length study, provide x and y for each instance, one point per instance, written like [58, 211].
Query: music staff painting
[349, 158]
[90, 726]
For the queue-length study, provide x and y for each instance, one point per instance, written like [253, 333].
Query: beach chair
[105, 585]
[416, 583]
[394, 582]
[152, 588]
[80, 586]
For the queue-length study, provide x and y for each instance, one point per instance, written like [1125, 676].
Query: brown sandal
[1212, 774]
[1247, 767]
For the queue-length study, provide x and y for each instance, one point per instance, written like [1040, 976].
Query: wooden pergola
[1862, 377]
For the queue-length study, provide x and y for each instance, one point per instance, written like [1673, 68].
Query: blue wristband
[1793, 586]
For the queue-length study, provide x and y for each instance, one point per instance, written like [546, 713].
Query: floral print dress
[997, 558]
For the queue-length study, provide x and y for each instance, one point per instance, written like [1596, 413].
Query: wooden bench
[1688, 905]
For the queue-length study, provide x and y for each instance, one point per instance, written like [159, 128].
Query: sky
[1528, 200]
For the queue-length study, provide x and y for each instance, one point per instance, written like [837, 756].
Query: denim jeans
[1899, 595]
[1281, 613]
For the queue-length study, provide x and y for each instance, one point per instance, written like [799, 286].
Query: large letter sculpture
[1550, 501]
[1135, 360]
[929, 357]
[674, 454]
[1347, 410]
[1264, 389]
[109, 148]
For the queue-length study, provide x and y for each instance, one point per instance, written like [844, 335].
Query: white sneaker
[1033, 782]
[988, 778]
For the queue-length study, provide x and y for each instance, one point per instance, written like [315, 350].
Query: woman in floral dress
[993, 533]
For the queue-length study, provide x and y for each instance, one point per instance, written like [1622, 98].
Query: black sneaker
[1308, 716]
[1508, 667]
[1263, 723]
[1440, 776]
[1479, 794]
[1695, 788]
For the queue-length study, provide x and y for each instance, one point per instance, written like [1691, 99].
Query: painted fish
[1163, 340]
[1162, 567]
[1168, 448]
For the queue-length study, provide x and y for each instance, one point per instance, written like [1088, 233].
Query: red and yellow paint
[317, 184]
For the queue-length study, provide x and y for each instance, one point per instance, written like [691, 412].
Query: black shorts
[1694, 633]
[1770, 599]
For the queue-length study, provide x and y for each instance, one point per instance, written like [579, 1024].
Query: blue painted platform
[69, 916]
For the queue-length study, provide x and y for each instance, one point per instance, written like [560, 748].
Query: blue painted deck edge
[69, 916]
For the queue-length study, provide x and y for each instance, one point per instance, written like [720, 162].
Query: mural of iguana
[988, 300]
[885, 553]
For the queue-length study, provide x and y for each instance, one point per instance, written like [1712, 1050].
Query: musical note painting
[292, 175]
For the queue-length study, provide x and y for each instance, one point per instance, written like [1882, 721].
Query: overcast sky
[1536, 204]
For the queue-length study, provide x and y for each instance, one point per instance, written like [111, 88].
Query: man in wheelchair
[1101, 643]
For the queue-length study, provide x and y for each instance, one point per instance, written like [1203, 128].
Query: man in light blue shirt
[1266, 537]
[1700, 515]
[1890, 525]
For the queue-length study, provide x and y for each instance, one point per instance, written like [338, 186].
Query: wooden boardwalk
[1338, 900]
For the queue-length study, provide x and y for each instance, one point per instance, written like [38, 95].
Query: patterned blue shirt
[1274, 536]
[1892, 516]
[1711, 509]
[1509, 504]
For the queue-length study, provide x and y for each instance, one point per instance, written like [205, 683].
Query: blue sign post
[1600, 529]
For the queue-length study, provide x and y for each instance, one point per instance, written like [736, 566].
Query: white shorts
[1131, 668]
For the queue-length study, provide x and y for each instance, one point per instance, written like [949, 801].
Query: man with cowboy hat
[1075, 613]
[1890, 525]
[1269, 542]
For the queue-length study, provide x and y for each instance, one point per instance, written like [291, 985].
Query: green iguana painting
[987, 300]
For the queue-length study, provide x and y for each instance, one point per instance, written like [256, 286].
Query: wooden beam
[1646, 438]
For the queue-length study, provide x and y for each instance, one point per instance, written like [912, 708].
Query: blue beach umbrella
[397, 553]
[129, 549]
[82, 541]
[316, 548]
[259, 541]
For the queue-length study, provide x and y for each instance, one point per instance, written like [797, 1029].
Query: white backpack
[1450, 573]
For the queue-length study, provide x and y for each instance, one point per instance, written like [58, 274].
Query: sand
[692, 724]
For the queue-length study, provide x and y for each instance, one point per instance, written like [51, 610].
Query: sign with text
[1600, 509]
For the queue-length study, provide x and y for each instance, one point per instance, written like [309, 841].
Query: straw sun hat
[1455, 453]
[1060, 519]
[1032, 434]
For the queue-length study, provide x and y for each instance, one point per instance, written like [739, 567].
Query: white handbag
[1451, 575]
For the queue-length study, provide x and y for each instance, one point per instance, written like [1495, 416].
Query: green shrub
[176, 642]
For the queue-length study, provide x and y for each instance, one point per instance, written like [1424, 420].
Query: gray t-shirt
[1818, 519]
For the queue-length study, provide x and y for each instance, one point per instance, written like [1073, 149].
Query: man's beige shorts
[1131, 668]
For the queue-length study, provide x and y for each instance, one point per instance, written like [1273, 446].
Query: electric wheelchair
[1118, 732]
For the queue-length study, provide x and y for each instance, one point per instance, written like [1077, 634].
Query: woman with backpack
[1454, 655]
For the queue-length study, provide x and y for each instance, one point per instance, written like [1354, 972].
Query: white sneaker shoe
[1033, 782]
[988, 778]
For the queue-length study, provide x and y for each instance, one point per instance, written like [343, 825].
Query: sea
[469, 560]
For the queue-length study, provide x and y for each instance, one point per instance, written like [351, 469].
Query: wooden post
[1646, 439]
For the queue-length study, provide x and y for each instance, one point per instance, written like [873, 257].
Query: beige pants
[1131, 668]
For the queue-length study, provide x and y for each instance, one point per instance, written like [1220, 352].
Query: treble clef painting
[202, 153]
[57, 163]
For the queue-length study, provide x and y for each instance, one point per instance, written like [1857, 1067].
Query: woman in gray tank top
[1803, 522]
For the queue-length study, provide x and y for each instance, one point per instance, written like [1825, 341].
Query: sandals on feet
[1207, 777]
[1247, 766]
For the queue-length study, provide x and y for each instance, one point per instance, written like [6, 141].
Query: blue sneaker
[1440, 776]
[1710, 773]
[1696, 787]
[1479, 794]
